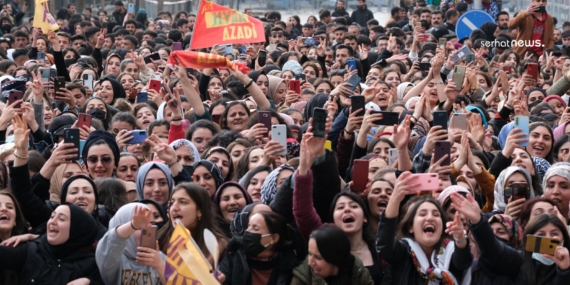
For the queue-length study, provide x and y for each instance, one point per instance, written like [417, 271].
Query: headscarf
[489, 29]
[500, 204]
[212, 168]
[554, 97]
[108, 138]
[293, 66]
[160, 209]
[118, 90]
[541, 165]
[288, 120]
[83, 230]
[254, 74]
[475, 109]
[269, 187]
[559, 130]
[125, 215]
[410, 101]
[216, 198]
[56, 181]
[401, 88]
[515, 231]
[182, 142]
[561, 169]
[143, 172]
[442, 198]
[274, 83]
[65, 188]
[317, 101]
[160, 112]
[241, 219]
[299, 105]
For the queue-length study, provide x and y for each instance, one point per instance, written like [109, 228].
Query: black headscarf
[108, 138]
[241, 219]
[489, 29]
[212, 168]
[317, 101]
[254, 74]
[65, 188]
[118, 90]
[160, 209]
[82, 233]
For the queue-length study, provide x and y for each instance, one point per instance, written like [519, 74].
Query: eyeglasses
[93, 159]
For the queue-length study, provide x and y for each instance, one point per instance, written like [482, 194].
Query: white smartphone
[392, 156]
[45, 72]
[459, 121]
[88, 80]
[279, 134]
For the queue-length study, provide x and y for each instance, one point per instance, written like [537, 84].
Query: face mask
[70, 61]
[159, 224]
[97, 113]
[10, 139]
[538, 257]
[252, 243]
[6, 27]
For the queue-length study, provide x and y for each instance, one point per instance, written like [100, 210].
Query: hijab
[489, 29]
[444, 195]
[561, 169]
[118, 90]
[274, 83]
[317, 101]
[143, 172]
[510, 224]
[254, 74]
[241, 220]
[269, 187]
[160, 209]
[500, 204]
[82, 233]
[212, 168]
[218, 194]
[559, 130]
[160, 112]
[125, 215]
[56, 181]
[182, 142]
[401, 89]
[108, 138]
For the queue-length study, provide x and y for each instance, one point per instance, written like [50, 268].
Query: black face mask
[97, 113]
[6, 27]
[252, 243]
[70, 61]
[159, 224]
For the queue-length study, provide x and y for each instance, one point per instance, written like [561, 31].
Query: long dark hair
[408, 220]
[534, 276]
[547, 127]
[366, 234]
[334, 247]
[201, 198]
[21, 224]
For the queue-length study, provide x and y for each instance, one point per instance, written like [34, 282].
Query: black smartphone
[507, 193]
[469, 58]
[71, 135]
[425, 66]
[319, 121]
[357, 103]
[354, 80]
[440, 119]
[541, 9]
[388, 118]
[154, 56]
[301, 77]
[520, 191]
[142, 97]
[59, 84]
[442, 148]
[261, 57]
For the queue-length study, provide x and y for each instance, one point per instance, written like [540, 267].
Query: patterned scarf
[269, 187]
[439, 274]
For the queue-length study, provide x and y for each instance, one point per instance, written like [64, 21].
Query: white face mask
[538, 257]
[9, 139]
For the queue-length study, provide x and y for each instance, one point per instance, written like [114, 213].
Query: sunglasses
[106, 160]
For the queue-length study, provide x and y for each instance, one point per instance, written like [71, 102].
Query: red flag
[218, 25]
[200, 60]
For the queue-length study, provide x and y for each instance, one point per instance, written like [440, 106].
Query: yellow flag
[42, 17]
[185, 263]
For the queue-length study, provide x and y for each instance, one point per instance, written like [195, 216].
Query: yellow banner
[42, 17]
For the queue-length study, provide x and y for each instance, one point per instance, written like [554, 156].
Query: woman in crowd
[207, 174]
[228, 199]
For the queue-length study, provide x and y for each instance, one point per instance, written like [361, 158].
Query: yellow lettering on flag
[216, 19]
[43, 18]
[185, 263]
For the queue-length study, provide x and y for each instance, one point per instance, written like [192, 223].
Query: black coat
[35, 264]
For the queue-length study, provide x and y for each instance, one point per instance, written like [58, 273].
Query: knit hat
[293, 66]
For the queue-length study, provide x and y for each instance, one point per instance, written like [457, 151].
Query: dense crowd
[351, 152]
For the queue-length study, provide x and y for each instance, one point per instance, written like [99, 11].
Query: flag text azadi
[217, 24]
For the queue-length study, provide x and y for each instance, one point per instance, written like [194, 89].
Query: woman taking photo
[330, 261]
[421, 236]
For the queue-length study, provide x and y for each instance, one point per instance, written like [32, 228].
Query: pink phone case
[427, 181]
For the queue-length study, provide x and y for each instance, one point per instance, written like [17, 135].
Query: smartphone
[442, 43]
[520, 191]
[459, 121]
[217, 118]
[541, 9]
[301, 77]
[148, 237]
[261, 57]
[155, 85]
[426, 37]
[354, 81]
[264, 117]
[319, 121]
[461, 53]
[507, 193]
[84, 120]
[459, 76]
[131, 8]
[153, 56]
[541, 244]
[228, 49]
[133, 94]
[138, 137]
[45, 72]
[271, 47]
[142, 97]
[310, 41]
[279, 134]
[360, 175]
[532, 69]
[59, 84]
[442, 148]
[351, 64]
[522, 122]
[427, 181]
[88, 80]
[71, 135]
[440, 119]
[52, 73]
[425, 66]
[508, 69]
[357, 103]
[295, 85]
[41, 58]
[388, 118]
[13, 96]
[469, 58]
[392, 156]
[176, 46]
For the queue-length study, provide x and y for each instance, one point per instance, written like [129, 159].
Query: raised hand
[141, 218]
[163, 150]
[467, 206]
[402, 133]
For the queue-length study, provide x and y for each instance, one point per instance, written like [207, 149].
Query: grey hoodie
[116, 256]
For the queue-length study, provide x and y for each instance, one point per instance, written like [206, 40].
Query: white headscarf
[499, 204]
[180, 142]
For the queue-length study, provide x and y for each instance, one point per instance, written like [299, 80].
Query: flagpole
[197, 15]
